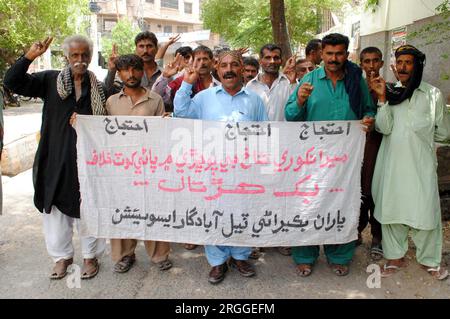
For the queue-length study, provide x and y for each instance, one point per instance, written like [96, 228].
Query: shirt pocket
[419, 113]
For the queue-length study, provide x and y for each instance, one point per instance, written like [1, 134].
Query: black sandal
[376, 251]
[164, 265]
[125, 264]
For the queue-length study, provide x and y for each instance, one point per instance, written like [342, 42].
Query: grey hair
[78, 39]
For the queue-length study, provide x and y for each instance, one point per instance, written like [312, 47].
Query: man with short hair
[302, 67]
[186, 52]
[334, 92]
[313, 51]
[251, 69]
[135, 100]
[230, 101]
[55, 176]
[273, 87]
[371, 61]
[146, 47]
[412, 116]
[203, 59]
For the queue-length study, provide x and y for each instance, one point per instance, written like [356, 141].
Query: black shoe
[217, 273]
[244, 267]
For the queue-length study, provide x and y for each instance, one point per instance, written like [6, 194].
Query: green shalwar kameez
[326, 103]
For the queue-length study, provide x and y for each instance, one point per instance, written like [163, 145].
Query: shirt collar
[220, 88]
[281, 77]
[422, 86]
[146, 96]
[322, 74]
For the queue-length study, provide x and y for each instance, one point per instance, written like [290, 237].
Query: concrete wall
[391, 14]
[404, 12]
[437, 66]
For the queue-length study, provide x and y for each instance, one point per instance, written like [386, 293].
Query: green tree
[22, 22]
[123, 35]
[247, 23]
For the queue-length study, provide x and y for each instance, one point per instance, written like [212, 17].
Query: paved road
[24, 264]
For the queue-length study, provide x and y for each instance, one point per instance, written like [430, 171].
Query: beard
[133, 85]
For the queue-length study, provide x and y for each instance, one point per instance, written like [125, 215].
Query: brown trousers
[157, 250]
[373, 142]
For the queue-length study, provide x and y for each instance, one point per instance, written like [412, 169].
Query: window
[182, 29]
[327, 21]
[108, 25]
[167, 29]
[188, 7]
[356, 27]
[172, 4]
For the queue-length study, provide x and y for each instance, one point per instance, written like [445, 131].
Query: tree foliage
[123, 34]
[23, 22]
[247, 23]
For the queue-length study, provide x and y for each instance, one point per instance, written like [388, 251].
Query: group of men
[399, 181]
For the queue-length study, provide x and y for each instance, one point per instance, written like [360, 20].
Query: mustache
[132, 78]
[229, 74]
[334, 62]
[80, 63]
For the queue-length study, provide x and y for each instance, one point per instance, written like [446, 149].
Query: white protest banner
[206, 182]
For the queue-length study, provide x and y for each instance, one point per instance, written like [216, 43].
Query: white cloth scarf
[64, 85]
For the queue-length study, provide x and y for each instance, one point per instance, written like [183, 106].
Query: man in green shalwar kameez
[405, 188]
[334, 92]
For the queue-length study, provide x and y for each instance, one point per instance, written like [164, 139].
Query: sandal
[340, 270]
[285, 251]
[60, 269]
[90, 268]
[164, 265]
[304, 270]
[437, 272]
[390, 269]
[124, 264]
[376, 251]
[190, 246]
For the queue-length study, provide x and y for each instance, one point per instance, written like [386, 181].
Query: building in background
[162, 17]
[389, 24]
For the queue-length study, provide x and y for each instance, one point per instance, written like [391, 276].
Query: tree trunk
[279, 28]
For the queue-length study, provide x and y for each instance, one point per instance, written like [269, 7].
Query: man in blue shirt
[227, 102]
